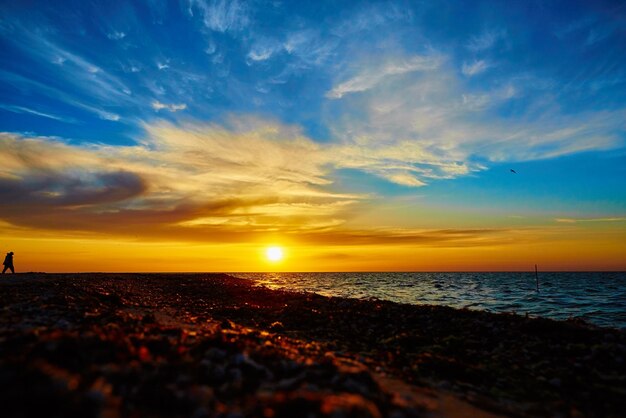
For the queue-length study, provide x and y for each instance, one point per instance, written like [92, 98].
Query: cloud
[485, 99]
[198, 183]
[85, 84]
[156, 105]
[406, 163]
[76, 70]
[450, 238]
[21, 109]
[577, 220]
[370, 78]
[574, 26]
[430, 125]
[71, 191]
[249, 178]
[211, 183]
[260, 54]
[597, 35]
[202, 183]
[26, 84]
[211, 47]
[370, 17]
[305, 48]
[311, 47]
[114, 117]
[222, 15]
[475, 67]
[116, 36]
[485, 40]
[264, 49]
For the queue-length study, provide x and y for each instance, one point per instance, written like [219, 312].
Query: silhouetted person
[8, 263]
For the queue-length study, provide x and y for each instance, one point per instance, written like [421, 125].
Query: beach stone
[277, 326]
[292, 382]
[148, 319]
[201, 412]
[556, 382]
[215, 353]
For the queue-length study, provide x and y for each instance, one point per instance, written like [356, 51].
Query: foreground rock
[215, 346]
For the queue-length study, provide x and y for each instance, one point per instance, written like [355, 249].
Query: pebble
[556, 382]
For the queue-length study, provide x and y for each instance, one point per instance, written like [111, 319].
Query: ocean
[596, 297]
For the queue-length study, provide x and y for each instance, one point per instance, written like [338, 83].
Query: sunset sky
[357, 136]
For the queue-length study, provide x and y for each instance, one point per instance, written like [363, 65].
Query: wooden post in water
[537, 278]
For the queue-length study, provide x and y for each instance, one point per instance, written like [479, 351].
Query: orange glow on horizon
[581, 250]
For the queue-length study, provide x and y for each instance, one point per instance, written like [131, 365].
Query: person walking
[8, 263]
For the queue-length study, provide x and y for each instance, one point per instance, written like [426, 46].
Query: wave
[598, 297]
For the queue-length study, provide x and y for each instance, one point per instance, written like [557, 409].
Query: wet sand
[210, 345]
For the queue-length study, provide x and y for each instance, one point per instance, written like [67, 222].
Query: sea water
[596, 297]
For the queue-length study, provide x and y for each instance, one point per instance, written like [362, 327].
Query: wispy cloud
[297, 53]
[482, 100]
[305, 48]
[310, 47]
[156, 105]
[260, 54]
[21, 109]
[372, 17]
[594, 29]
[264, 49]
[92, 88]
[77, 70]
[574, 26]
[371, 77]
[476, 67]
[222, 15]
[407, 163]
[485, 40]
[116, 36]
[597, 35]
[114, 117]
[434, 124]
[24, 83]
[577, 220]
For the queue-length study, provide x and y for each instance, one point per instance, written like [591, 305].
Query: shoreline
[205, 344]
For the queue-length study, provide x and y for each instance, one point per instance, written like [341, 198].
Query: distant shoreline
[234, 273]
[85, 344]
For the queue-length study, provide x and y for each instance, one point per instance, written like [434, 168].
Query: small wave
[599, 296]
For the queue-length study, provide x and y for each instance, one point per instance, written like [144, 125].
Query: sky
[356, 135]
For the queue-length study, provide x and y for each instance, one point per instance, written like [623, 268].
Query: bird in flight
[513, 171]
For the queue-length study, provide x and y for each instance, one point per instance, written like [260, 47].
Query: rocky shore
[212, 345]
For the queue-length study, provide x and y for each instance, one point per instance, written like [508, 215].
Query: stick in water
[537, 277]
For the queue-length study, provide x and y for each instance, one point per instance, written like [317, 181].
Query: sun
[274, 254]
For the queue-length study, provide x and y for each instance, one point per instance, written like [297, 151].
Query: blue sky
[328, 105]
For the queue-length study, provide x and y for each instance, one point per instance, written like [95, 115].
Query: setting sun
[274, 254]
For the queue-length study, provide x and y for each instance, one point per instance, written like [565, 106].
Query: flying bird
[513, 171]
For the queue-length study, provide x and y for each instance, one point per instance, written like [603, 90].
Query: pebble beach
[213, 345]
